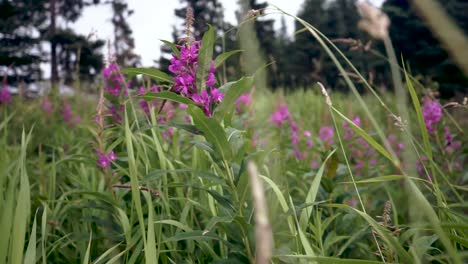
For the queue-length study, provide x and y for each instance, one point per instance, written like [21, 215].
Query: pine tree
[66, 10]
[206, 12]
[282, 59]
[416, 43]
[78, 56]
[124, 43]
[308, 55]
[20, 50]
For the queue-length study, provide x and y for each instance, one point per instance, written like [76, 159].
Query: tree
[282, 63]
[68, 10]
[416, 43]
[20, 50]
[205, 12]
[308, 55]
[78, 56]
[124, 43]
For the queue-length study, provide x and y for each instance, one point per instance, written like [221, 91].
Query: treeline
[34, 32]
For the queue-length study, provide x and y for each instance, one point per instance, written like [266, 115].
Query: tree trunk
[53, 49]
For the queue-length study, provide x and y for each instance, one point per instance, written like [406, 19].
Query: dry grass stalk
[263, 233]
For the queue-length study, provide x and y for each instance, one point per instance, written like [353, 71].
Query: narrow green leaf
[221, 58]
[187, 127]
[302, 237]
[386, 178]
[365, 136]
[193, 235]
[30, 255]
[106, 254]
[176, 224]
[422, 124]
[223, 201]
[150, 252]
[44, 234]
[23, 207]
[312, 194]
[212, 131]
[86, 258]
[150, 72]
[391, 241]
[173, 46]
[232, 91]
[150, 96]
[331, 260]
[205, 56]
[218, 219]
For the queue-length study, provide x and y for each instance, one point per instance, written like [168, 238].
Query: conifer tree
[416, 43]
[20, 49]
[124, 43]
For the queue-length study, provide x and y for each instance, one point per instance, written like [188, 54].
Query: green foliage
[184, 196]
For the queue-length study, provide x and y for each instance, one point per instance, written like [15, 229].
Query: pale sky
[153, 20]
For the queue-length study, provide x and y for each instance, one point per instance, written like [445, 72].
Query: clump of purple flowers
[68, 116]
[243, 101]
[5, 96]
[185, 68]
[47, 106]
[362, 155]
[145, 106]
[450, 144]
[280, 116]
[348, 131]
[104, 160]
[395, 144]
[115, 87]
[432, 113]
[326, 134]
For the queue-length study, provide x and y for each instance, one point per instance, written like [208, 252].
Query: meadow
[189, 169]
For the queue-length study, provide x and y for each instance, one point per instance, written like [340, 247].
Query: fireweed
[104, 159]
[282, 116]
[326, 134]
[47, 107]
[5, 96]
[116, 89]
[363, 155]
[185, 68]
[68, 116]
[432, 113]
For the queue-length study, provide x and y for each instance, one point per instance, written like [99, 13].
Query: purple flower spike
[104, 161]
[326, 134]
[280, 115]
[5, 96]
[432, 113]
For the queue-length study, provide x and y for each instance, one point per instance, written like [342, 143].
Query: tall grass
[196, 197]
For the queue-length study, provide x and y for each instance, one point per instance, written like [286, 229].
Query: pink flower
[314, 164]
[326, 134]
[46, 105]
[216, 95]
[104, 160]
[5, 96]
[113, 80]
[432, 113]
[280, 115]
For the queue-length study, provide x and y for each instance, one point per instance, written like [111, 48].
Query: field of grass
[61, 208]
[165, 176]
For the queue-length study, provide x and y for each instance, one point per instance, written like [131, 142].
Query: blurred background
[69, 41]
